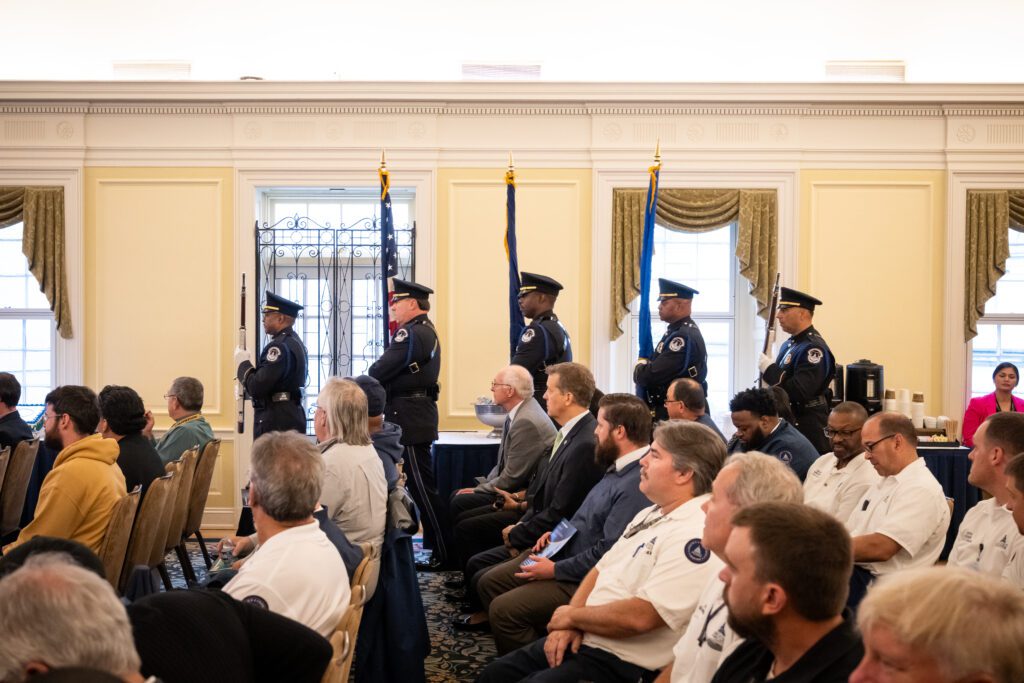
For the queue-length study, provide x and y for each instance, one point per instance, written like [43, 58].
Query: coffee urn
[865, 384]
[837, 385]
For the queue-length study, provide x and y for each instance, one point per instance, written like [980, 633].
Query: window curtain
[41, 210]
[757, 217]
[991, 214]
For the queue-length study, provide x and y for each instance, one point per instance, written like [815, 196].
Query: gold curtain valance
[991, 214]
[41, 211]
[756, 214]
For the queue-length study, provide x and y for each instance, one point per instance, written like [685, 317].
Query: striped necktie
[558, 442]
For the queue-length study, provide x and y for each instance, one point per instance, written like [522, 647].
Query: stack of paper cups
[889, 402]
[903, 402]
[917, 410]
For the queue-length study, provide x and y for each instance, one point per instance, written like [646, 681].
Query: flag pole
[646, 342]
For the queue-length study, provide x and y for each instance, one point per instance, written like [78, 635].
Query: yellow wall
[872, 248]
[158, 269]
[553, 227]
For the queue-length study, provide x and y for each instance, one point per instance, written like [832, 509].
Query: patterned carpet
[454, 656]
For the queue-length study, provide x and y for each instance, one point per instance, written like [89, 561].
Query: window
[1001, 330]
[321, 249]
[27, 330]
[724, 310]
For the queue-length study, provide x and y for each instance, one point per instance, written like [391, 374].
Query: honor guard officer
[276, 382]
[409, 369]
[680, 353]
[545, 342]
[804, 366]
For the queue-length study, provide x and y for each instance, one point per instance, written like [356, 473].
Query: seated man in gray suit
[528, 434]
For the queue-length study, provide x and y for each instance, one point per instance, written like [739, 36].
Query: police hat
[405, 289]
[376, 396]
[278, 304]
[673, 290]
[790, 298]
[539, 283]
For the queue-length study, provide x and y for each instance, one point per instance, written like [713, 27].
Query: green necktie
[558, 441]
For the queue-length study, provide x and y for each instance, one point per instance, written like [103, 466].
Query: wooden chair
[5, 458]
[367, 573]
[197, 502]
[15, 485]
[343, 640]
[119, 532]
[148, 522]
[177, 511]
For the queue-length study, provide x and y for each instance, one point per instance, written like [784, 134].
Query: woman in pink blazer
[1001, 400]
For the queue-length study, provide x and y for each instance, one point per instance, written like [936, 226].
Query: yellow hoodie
[78, 495]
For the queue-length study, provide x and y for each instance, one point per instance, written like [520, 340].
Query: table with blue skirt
[951, 466]
[460, 457]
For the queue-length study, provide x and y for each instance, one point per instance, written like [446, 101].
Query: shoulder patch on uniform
[273, 353]
[661, 347]
[696, 552]
[786, 457]
[256, 601]
[527, 336]
[676, 344]
[401, 335]
[814, 356]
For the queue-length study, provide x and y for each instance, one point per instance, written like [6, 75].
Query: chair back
[367, 571]
[15, 485]
[343, 640]
[148, 522]
[119, 531]
[201, 482]
[5, 458]
[179, 512]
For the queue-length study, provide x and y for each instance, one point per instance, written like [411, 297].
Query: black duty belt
[282, 396]
[818, 402]
[412, 393]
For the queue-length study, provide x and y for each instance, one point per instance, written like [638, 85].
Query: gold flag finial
[383, 162]
[657, 152]
[511, 166]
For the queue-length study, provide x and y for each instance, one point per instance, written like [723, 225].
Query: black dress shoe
[434, 565]
[455, 597]
[463, 623]
[455, 584]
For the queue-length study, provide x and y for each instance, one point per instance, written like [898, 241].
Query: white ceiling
[572, 40]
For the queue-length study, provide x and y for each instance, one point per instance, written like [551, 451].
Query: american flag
[388, 249]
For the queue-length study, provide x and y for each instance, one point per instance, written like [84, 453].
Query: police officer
[545, 342]
[409, 369]
[680, 353]
[804, 366]
[276, 382]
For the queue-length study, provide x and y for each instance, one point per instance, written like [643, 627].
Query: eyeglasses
[167, 396]
[841, 433]
[51, 416]
[499, 384]
[667, 402]
[869, 446]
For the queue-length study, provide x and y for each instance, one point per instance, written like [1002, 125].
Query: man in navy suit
[563, 479]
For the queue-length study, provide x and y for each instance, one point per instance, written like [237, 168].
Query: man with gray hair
[527, 435]
[295, 571]
[57, 614]
[627, 612]
[190, 428]
[746, 479]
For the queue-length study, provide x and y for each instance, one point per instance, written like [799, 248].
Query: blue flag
[646, 256]
[388, 250]
[516, 323]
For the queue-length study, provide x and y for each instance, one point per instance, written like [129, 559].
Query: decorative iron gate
[334, 272]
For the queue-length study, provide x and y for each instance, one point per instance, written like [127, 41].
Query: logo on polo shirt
[786, 457]
[696, 552]
[256, 601]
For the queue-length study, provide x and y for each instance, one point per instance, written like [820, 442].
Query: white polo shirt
[1014, 569]
[664, 564]
[984, 539]
[297, 573]
[708, 639]
[837, 491]
[911, 509]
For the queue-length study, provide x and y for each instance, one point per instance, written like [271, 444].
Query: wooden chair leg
[202, 546]
[162, 568]
[186, 564]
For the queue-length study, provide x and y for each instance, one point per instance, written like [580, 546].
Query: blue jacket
[789, 446]
[600, 520]
[388, 444]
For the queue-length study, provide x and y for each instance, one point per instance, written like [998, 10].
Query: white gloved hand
[764, 361]
[771, 339]
[241, 355]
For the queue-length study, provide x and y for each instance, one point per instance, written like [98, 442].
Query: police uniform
[804, 369]
[409, 369]
[680, 353]
[275, 384]
[786, 444]
[837, 491]
[985, 539]
[545, 341]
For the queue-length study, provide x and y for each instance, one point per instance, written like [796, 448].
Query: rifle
[239, 388]
[770, 325]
